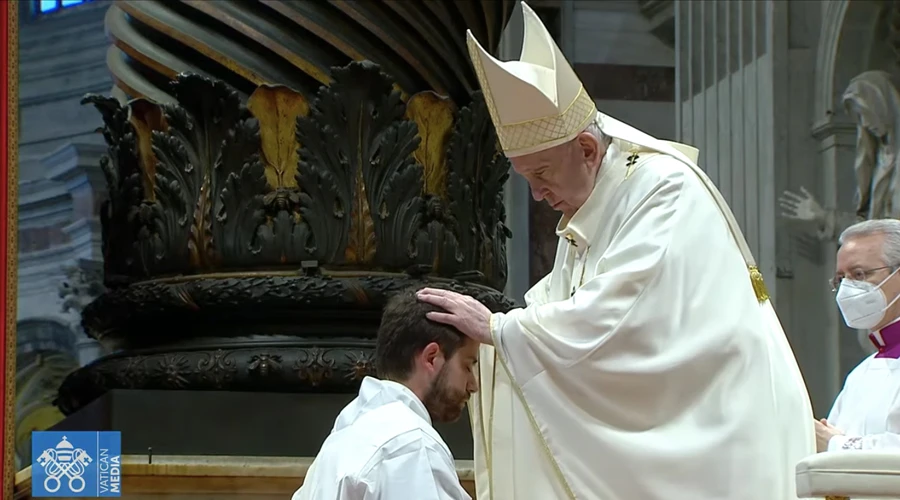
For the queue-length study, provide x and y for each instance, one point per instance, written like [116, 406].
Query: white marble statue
[79, 289]
[874, 103]
[82, 285]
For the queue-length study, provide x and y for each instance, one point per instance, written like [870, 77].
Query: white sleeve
[888, 440]
[539, 293]
[564, 332]
[423, 472]
[835, 412]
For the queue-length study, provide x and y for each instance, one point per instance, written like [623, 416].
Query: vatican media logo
[76, 464]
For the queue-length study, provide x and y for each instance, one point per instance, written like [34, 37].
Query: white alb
[383, 447]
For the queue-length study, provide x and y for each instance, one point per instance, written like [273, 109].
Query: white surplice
[867, 410]
[645, 365]
[383, 447]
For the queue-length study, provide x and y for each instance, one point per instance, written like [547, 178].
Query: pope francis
[649, 364]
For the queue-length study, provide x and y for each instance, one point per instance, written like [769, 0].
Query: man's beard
[444, 403]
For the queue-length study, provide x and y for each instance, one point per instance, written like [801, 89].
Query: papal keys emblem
[64, 461]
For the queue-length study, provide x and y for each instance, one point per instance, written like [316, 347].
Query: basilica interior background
[756, 86]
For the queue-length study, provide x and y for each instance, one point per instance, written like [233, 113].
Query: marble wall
[741, 103]
[759, 89]
[628, 70]
[62, 57]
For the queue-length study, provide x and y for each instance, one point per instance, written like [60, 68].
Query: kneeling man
[383, 445]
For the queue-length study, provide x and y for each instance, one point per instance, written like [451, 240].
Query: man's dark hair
[404, 333]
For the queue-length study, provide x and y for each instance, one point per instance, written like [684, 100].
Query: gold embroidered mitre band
[537, 102]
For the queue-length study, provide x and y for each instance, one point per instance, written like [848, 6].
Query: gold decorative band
[549, 131]
[759, 286]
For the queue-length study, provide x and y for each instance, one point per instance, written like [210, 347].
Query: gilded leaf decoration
[433, 115]
[277, 108]
[349, 159]
[361, 244]
[145, 118]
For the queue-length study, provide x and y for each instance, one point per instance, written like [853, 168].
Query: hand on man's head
[463, 312]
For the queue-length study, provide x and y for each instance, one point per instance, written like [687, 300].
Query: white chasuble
[645, 365]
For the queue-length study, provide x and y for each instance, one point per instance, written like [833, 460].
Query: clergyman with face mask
[652, 345]
[383, 445]
[866, 414]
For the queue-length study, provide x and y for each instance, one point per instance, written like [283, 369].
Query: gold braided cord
[759, 286]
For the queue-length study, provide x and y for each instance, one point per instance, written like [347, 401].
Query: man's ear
[432, 357]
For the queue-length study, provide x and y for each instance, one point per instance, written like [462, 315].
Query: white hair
[890, 228]
[594, 129]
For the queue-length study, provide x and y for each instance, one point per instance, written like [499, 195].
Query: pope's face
[563, 175]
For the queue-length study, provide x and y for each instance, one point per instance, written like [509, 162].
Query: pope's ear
[589, 147]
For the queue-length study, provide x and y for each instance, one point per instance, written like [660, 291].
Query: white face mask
[863, 304]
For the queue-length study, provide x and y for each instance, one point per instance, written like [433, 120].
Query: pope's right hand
[464, 313]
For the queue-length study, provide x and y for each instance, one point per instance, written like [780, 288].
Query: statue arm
[803, 207]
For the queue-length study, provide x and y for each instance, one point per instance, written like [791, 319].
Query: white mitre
[537, 102]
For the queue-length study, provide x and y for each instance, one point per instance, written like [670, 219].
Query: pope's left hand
[464, 313]
[824, 433]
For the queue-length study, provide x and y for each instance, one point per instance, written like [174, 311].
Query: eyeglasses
[858, 275]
